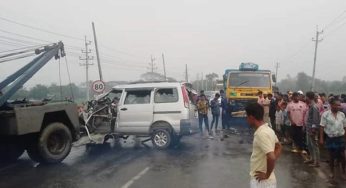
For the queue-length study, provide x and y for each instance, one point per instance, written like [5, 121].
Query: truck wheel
[10, 152]
[53, 144]
[161, 138]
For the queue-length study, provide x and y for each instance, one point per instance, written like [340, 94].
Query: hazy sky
[208, 35]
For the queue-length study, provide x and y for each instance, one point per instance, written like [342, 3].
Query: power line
[31, 47]
[336, 29]
[334, 20]
[15, 53]
[119, 51]
[40, 29]
[25, 36]
[15, 58]
[19, 40]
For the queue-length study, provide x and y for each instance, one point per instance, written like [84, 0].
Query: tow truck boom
[15, 81]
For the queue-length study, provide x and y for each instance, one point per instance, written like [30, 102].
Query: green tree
[39, 92]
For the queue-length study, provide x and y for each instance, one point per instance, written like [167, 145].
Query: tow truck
[46, 130]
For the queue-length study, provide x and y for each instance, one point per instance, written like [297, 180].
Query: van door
[136, 111]
[167, 106]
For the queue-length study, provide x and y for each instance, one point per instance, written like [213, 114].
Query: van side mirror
[274, 78]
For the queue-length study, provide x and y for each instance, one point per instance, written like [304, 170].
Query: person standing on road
[279, 122]
[215, 111]
[325, 105]
[224, 112]
[312, 128]
[202, 107]
[266, 149]
[296, 112]
[265, 103]
[272, 111]
[333, 124]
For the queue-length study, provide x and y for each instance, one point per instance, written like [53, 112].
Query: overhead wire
[19, 40]
[60, 85]
[31, 47]
[15, 58]
[15, 53]
[69, 78]
[334, 20]
[25, 36]
[40, 29]
[336, 29]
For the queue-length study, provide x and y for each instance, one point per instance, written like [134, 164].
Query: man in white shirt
[266, 149]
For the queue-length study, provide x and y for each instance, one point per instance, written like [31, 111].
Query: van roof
[148, 85]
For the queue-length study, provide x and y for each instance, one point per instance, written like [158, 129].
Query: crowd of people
[305, 122]
[217, 106]
[308, 122]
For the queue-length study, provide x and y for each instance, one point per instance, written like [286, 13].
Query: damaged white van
[161, 111]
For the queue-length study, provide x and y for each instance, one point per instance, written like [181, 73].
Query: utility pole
[164, 66]
[197, 82]
[202, 82]
[97, 53]
[186, 74]
[276, 73]
[316, 40]
[86, 64]
[152, 66]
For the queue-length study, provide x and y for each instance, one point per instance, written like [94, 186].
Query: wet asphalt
[196, 163]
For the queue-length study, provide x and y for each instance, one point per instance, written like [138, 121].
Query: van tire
[161, 138]
[53, 144]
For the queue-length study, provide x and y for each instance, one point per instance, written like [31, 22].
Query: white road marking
[133, 179]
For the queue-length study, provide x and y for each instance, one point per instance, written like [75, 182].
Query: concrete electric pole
[164, 66]
[86, 51]
[97, 52]
[316, 40]
[276, 73]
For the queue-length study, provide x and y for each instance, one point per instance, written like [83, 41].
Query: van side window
[138, 97]
[167, 95]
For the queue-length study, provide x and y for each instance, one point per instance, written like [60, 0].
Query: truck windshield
[249, 80]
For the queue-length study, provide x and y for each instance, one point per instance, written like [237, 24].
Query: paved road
[196, 163]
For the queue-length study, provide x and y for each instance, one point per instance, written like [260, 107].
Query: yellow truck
[242, 86]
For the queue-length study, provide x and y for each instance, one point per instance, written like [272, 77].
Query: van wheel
[53, 144]
[161, 138]
[10, 152]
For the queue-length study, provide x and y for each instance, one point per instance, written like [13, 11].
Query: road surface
[196, 163]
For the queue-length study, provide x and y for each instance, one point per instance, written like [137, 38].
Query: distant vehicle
[242, 86]
[161, 111]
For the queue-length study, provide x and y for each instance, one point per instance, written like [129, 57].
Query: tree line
[302, 81]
